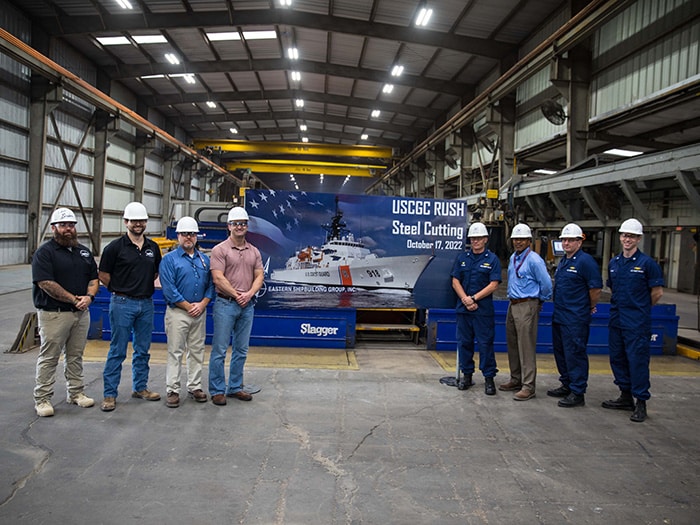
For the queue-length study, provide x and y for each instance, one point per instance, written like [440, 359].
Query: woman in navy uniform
[476, 274]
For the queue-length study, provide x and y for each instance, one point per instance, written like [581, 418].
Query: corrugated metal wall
[14, 149]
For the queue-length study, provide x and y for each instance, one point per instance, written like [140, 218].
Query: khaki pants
[521, 337]
[185, 335]
[60, 332]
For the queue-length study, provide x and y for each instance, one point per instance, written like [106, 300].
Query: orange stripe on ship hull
[345, 276]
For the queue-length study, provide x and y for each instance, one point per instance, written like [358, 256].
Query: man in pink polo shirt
[237, 271]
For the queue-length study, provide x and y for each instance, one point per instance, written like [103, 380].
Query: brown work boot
[524, 394]
[243, 396]
[147, 395]
[510, 386]
[172, 400]
[108, 404]
[218, 399]
[198, 395]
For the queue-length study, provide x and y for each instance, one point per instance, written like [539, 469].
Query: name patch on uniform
[637, 269]
[485, 265]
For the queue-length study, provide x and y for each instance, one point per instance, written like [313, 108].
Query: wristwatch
[92, 297]
[473, 298]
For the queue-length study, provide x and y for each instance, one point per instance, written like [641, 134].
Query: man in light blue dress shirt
[529, 285]
[185, 276]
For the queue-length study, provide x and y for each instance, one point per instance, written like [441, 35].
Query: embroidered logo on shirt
[84, 253]
[149, 253]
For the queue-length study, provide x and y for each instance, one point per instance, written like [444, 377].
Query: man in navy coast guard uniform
[637, 284]
[476, 274]
[577, 285]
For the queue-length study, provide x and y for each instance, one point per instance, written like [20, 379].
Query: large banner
[356, 251]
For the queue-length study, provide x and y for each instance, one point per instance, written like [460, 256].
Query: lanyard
[520, 264]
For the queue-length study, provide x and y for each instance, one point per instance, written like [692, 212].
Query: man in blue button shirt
[637, 284]
[529, 285]
[185, 276]
[577, 285]
[476, 274]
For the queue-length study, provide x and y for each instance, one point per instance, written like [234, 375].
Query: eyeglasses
[188, 234]
[138, 221]
[238, 224]
[65, 224]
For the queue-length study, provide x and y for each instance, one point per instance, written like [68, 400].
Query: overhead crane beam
[306, 168]
[295, 148]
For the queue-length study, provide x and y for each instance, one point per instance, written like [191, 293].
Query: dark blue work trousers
[629, 360]
[481, 328]
[569, 343]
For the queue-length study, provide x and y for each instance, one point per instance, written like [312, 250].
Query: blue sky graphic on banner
[325, 250]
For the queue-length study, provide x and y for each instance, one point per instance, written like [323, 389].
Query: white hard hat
[62, 215]
[477, 230]
[521, 231]
[135, 211]
[237, 214]
[632, 226]
[187, 225]
[571, 231]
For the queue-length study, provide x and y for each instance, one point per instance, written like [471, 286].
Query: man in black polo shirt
[129, 267]
[64, 276]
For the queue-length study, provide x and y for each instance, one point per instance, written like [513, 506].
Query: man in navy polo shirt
[64, 274]
[476, 274]
[577, 285]
[637, 284]
[129, 267]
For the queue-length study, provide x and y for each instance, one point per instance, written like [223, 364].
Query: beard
[67, 240]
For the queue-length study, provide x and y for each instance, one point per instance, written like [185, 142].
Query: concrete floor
[377, 440]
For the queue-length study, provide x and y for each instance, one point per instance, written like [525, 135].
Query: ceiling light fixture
[299, 102]
[305, 139]
[285, 3]
[293, 53]
[376, 113]
[234, 131]
[423, 16]
[303, 127]
[189, 79]
[113, 40]
[124, 4]
[388, 88]
[260, 35]
[623, 152]
[364, 136]
[149, 39]
[172, 59]
[296, 76]
[542, 171]
[397, 71]
[226, 35]
[211, 104]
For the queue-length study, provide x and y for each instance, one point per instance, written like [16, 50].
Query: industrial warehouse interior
[375, 131]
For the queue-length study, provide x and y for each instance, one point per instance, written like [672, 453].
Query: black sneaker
[489, 386]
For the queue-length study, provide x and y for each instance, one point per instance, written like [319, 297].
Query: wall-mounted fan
[554, 112]
[451, 157]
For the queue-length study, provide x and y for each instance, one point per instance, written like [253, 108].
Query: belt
[119, 294]
[518, 301]
[58, 309]
[225, 297]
